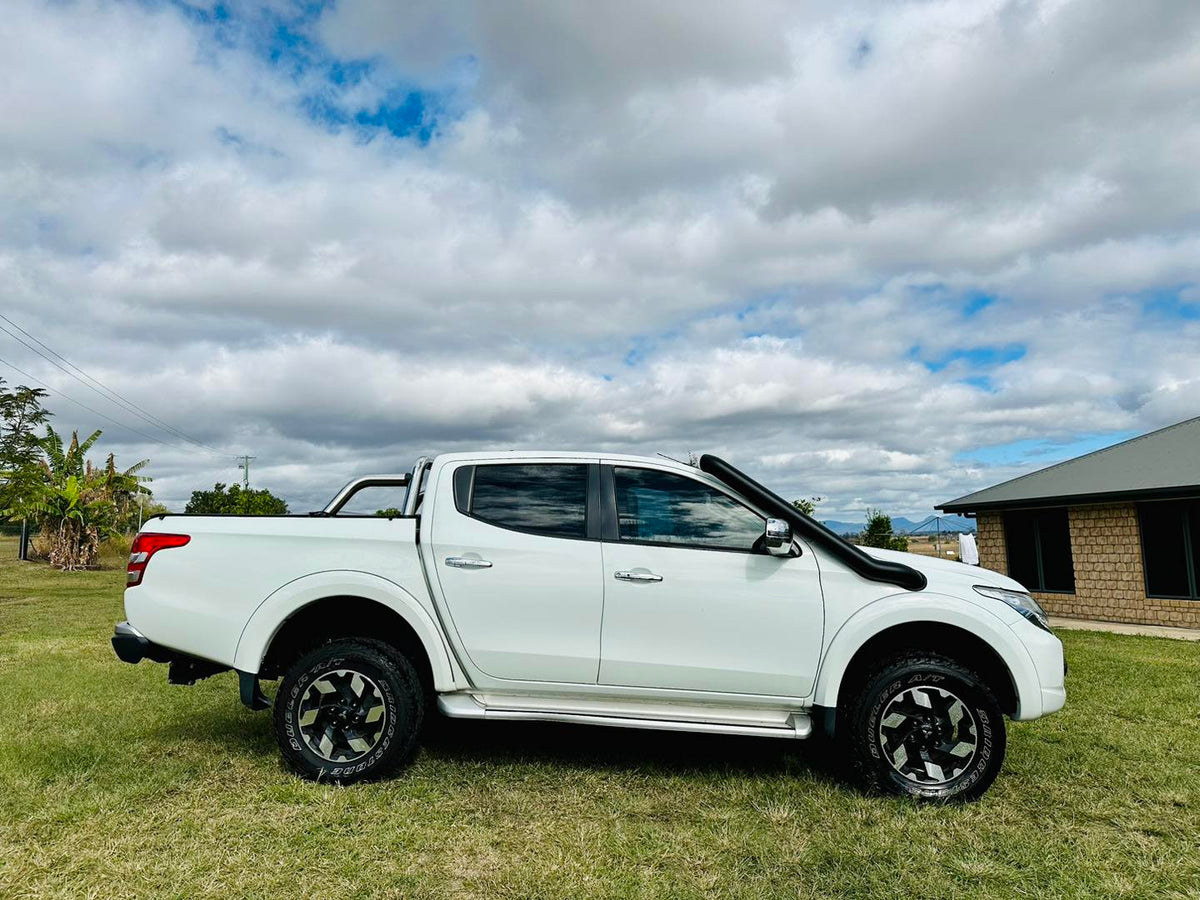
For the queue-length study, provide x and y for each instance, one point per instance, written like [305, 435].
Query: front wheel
[925, 726]
[349, 711]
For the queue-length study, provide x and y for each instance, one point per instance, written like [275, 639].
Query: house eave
[965, 505]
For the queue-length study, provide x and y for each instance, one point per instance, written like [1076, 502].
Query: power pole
[244, 465]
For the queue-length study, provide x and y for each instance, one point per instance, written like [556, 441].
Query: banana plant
[72, 502]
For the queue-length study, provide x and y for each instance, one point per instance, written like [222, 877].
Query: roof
[1161, 464]
[664, 462]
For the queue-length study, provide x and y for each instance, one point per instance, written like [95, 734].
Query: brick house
[1112, 535]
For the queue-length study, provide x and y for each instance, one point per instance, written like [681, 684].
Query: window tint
[1039, 549]
[548, 499]
[1171, 548]
[464, 477]
[671, 509]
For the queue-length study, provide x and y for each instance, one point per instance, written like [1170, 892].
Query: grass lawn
[113, 783]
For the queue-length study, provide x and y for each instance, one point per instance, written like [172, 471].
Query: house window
[1039, 549]
[1171, 548]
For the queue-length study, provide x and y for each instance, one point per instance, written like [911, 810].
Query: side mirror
[778, 537]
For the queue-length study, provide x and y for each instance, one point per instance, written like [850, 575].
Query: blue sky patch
[1040, 452]
[977, 302]
[284, 39]
[979, 382]
[1169, 303]
[403, 115]
[975, 357]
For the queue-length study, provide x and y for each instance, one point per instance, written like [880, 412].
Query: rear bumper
[132, 646]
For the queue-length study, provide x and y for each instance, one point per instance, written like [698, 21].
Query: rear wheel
[349, 711]
[926, 726]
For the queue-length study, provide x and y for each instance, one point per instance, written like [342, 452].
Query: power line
[96, 412]
[108, 393]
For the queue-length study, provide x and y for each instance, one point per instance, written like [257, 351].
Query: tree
[878, 532]
[808, 507]
[391, 512]
[72, 502]
[21, 413]
[236, 501]
[127, 491]
[136, 512]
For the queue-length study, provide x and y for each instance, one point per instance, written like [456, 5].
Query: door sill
[779, 723]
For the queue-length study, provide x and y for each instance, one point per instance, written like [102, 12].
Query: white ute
[588, 588]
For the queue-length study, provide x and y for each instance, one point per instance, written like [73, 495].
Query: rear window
[541, 498]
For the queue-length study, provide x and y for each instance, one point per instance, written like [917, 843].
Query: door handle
[468, 562]
[636, 576]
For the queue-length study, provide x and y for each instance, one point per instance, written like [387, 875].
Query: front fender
[904, 609]
[270, 615]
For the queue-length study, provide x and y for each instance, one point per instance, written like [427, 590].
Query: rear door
[518, 561]
[693, 601]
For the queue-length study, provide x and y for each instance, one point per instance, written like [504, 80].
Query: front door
[521, 579]
[692, 599]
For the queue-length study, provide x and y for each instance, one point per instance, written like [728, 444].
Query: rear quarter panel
[198, 598]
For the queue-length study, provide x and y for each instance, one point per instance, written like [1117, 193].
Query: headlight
[1022, 603]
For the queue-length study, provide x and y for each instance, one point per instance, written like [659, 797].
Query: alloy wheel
[342, 715]
[928, 734]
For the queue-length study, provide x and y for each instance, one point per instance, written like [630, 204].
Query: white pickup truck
[592, 588]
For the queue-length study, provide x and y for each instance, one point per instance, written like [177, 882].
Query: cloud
[337, 236]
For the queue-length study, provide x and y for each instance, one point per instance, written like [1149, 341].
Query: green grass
[114, 784]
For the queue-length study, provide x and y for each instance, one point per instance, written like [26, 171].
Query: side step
[797, 726]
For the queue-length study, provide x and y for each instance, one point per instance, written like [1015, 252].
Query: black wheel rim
[928, 735]
[342, 715]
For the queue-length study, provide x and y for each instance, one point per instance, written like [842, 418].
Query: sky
[881, 253]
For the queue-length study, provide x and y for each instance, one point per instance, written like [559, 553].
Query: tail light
[144, 547]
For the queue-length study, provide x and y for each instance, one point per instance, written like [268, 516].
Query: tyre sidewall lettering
[869, 725]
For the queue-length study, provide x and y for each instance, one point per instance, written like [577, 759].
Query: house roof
[1163, 463]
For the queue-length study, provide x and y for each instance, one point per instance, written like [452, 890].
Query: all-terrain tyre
[923, 725]
[349, 710]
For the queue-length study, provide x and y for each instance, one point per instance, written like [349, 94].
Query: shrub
[878, 532]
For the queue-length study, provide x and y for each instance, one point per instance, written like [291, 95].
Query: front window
[1171, 548]
[664, 508]
[1039, 549]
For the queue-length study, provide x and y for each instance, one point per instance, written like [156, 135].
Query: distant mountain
[901, 525]
[843, 527]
